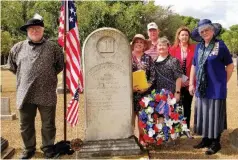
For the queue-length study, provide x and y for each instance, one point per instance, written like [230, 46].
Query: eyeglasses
[205, 30]
[31, 29]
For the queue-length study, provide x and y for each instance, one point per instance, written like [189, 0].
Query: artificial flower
[151, 132]
[149, 110]
[161, 118]
[160, 140]
[159, 126]
[174, 116]
[148, 139]
[146, 101]
[142, 124]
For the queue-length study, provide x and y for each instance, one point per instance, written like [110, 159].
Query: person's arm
[226, 59]
[229, 70]
[178, 88]
[59, 59]
[11, 63]
[151, 78]
[191, 80]
[178, 76]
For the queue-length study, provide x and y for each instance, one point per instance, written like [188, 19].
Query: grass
[182, 150]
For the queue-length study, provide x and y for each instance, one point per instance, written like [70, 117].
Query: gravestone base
[109, 148]
[6, 151]
[9, 117]
[233, 136]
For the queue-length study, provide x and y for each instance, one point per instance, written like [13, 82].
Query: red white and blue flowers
[160, 118]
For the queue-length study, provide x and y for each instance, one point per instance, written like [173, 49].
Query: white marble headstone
[108, 86]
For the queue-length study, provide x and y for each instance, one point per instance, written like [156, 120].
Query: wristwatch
[178, 92]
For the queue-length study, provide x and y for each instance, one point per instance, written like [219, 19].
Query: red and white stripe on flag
[74, 77]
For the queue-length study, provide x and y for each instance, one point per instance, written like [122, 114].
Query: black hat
[37, 20]
[195, 34]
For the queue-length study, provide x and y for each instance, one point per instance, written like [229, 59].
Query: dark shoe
[27, 154]
[204, 143]
[49, 153]
[214, 148]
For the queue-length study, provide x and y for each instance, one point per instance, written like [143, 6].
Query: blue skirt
[210, 118]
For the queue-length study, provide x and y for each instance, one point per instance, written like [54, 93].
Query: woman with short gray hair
[212, 67]
[168, 71]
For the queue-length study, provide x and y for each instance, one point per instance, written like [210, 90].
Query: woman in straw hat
[212, 67]
[141, 61]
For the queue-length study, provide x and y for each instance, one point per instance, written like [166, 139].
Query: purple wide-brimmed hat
[195, 34]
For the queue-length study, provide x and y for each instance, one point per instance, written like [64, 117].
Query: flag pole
[64, 73]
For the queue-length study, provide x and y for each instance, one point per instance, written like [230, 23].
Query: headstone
[108, 95]
[234, 138]
[60, 87]
[5, 109]
[6, 152]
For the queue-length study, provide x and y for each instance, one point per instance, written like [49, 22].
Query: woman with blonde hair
[183, 50]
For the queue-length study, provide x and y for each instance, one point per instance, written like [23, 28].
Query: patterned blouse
[167, 72]
[36, 66]
[145, 63]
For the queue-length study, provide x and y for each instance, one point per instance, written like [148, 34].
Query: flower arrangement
[160, 118]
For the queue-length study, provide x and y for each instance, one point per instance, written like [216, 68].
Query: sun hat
[140, 36]
[37, 20]
[195, 33]
[152, 25]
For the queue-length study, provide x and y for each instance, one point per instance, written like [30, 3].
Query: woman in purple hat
[212, 68]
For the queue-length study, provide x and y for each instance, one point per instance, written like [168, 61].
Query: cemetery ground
[182, 150]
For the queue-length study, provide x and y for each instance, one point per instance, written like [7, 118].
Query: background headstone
[108, 95]
[60, 86]
[5, 109]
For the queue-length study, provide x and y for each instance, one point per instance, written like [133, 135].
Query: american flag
[74, 78]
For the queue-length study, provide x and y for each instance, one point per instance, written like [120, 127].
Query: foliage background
[130, 17]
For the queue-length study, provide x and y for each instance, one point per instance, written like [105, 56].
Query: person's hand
[191, 89]
[177, 96]
[135, 88]
[142, 90]
[185, 84]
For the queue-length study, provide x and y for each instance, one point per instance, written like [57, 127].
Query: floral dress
[146, 64]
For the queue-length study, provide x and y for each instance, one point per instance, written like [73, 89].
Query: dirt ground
[182, 150]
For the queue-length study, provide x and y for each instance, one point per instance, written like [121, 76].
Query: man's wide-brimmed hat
[195, 33]
[140, 36]
[37, 20]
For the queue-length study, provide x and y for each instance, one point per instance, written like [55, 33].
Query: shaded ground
[183, 149]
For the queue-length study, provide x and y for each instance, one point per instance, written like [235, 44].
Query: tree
[230, 37]
[130, 17]
[50, 11]
[190, 22]
[6, 42]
